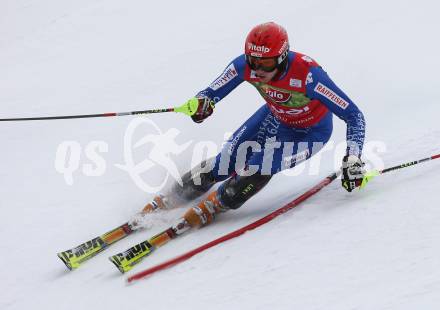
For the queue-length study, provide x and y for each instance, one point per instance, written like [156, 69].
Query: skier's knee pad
[195, 182]
[237, 190]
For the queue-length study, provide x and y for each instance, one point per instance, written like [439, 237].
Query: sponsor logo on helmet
[284, 47]
[331, 95]
[227, 75]
[258, 48]
[277, 95]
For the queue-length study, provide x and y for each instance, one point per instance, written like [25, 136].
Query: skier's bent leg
[231, 195]
[194, 184]
[237, 190]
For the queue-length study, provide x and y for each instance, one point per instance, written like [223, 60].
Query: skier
[294, 123]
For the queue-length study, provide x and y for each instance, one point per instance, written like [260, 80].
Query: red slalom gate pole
[264, 220]
[237, 232]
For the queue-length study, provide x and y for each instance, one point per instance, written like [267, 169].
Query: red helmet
[268, 40]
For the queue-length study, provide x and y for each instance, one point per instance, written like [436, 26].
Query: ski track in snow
[374, 249]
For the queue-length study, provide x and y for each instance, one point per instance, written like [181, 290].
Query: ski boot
[158, 202]
[205, 212]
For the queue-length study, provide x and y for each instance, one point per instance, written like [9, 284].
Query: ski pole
[374, 173]
[189, 108]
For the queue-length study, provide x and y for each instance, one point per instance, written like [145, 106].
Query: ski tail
[74, 257]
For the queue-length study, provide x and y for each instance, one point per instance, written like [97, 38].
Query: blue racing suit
[293, 124]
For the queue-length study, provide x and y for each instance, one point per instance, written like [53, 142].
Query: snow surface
[375, 249]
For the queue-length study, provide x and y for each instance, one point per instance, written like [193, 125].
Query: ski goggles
[266, 64]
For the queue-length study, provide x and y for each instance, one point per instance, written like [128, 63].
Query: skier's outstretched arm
[230, 78]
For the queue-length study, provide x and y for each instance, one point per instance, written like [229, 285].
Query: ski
[74, 257]
[126, 260]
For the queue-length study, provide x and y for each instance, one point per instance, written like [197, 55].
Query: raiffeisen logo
[258, 48]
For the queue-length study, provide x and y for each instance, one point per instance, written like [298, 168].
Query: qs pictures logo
[160, 147]
[155, 149]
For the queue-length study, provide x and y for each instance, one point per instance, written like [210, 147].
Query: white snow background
[374, 249]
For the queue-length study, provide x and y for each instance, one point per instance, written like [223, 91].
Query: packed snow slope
[373, 249]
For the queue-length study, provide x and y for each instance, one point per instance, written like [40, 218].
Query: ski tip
[116, 263]
[65, 261]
